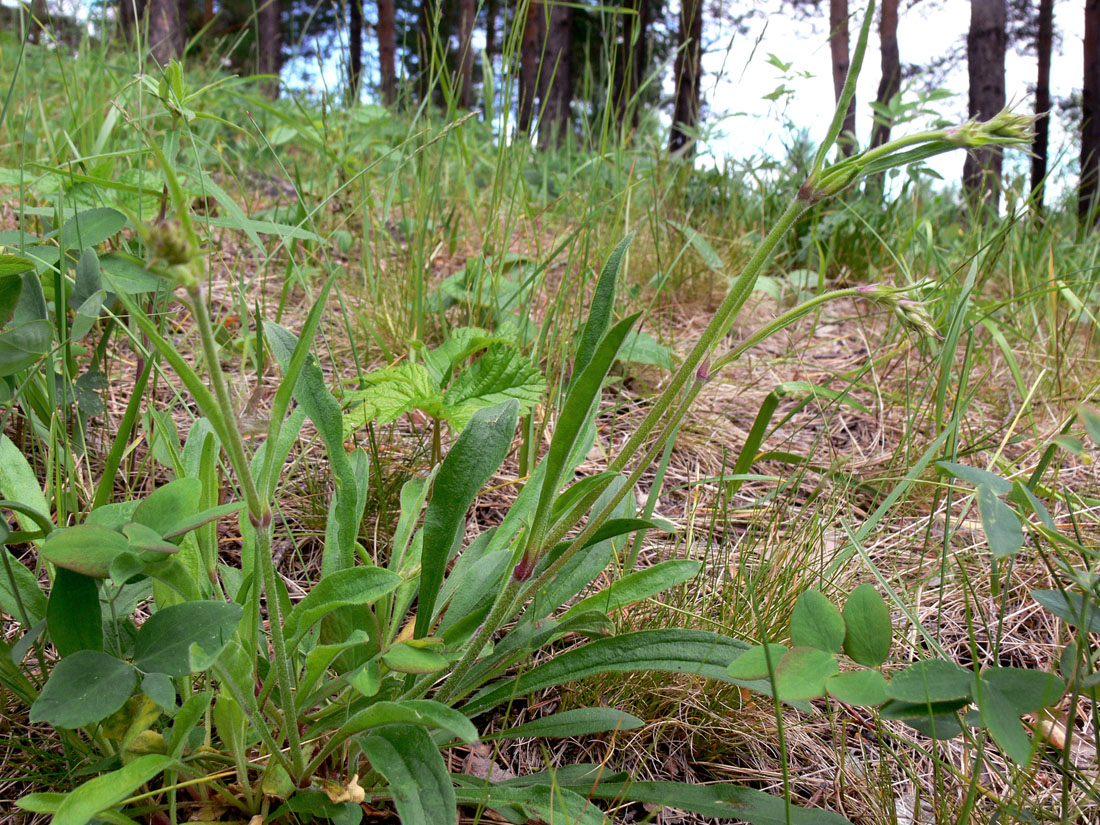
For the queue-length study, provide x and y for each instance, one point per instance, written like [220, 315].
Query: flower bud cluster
[913, 315]
[173, 253]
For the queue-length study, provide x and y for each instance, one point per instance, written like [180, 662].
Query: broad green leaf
[894, 709]
[170, 504]
[753, 663]
[867, 628]
[320, 657]
[642, 348]
[501, 374]
[86, 315]
[85, 548]
[694, 652]
[343, 588]
[866, 688]
[1028, 691]
[1023, 496]
[939, 726]
[84, 688]
[231, 724]
[408, 659]
[1072, 608]
[1002, 721]
[469, 464]
[815, 622]
[91, 227]
[159, 688]
[411, 764]
[163, 644]
[10, 291]
[104, 792]
[722, 801]
[14, 265]
[390, 393]
[19, 482]
[1091, 421]
[73, 615]
[87, 282]
[601, 307]
[423, 712]
[934, 680]
[22, 346]
[187, 524]
[461, 343]
[1000, 522]
[637, 586]
[144, 538]
[576, 722]
[125, 275]
[26, 597]
[802, 672]
[977, 477]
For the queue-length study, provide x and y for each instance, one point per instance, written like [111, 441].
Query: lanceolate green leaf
[723, 801]
[418, 780]
[423, 712]
[324, 411]
[672, 651]
[576, 722]
[637, 586]
[355, 586]
[85, 548]
[603, 302]
[106, 791]
[73, 614]
[550, 804]
[471, 462]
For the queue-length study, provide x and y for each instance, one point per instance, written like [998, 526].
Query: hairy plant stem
[259, 514]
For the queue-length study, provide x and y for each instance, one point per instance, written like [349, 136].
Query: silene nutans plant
[235, 699]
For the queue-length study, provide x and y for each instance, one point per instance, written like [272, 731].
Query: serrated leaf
[977, 477]
[411, 764]
[460, 344]
[501, 374]
[931, 681]
[1000, 522]
[390, 393]
[163, 643]
[863, 688]
[84, 688]
[815, 622]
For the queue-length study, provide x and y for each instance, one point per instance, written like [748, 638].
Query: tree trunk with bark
[985, 56]
[838, 47]
[630, 61]
[890, 82]
[130, 15]
[355, 49]
[556, 81]
[467, 13]
[491, 9]
[165, 31]
[387, 51]
[529, 65]
[1090, 117]
[271, 44]
[689, 78]
[1044, 41]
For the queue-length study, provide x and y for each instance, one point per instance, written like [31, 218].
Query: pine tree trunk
[1090, 116]
[165, 31]
[271, 44]
[355, 49]
[491, 8]
[1043, 45]
[838, 47]
[556, 81]
[985, 54]
[529, 65]
[387, 51]
[630, 61]
[689, 77]
[891, 69]
[467, 14]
